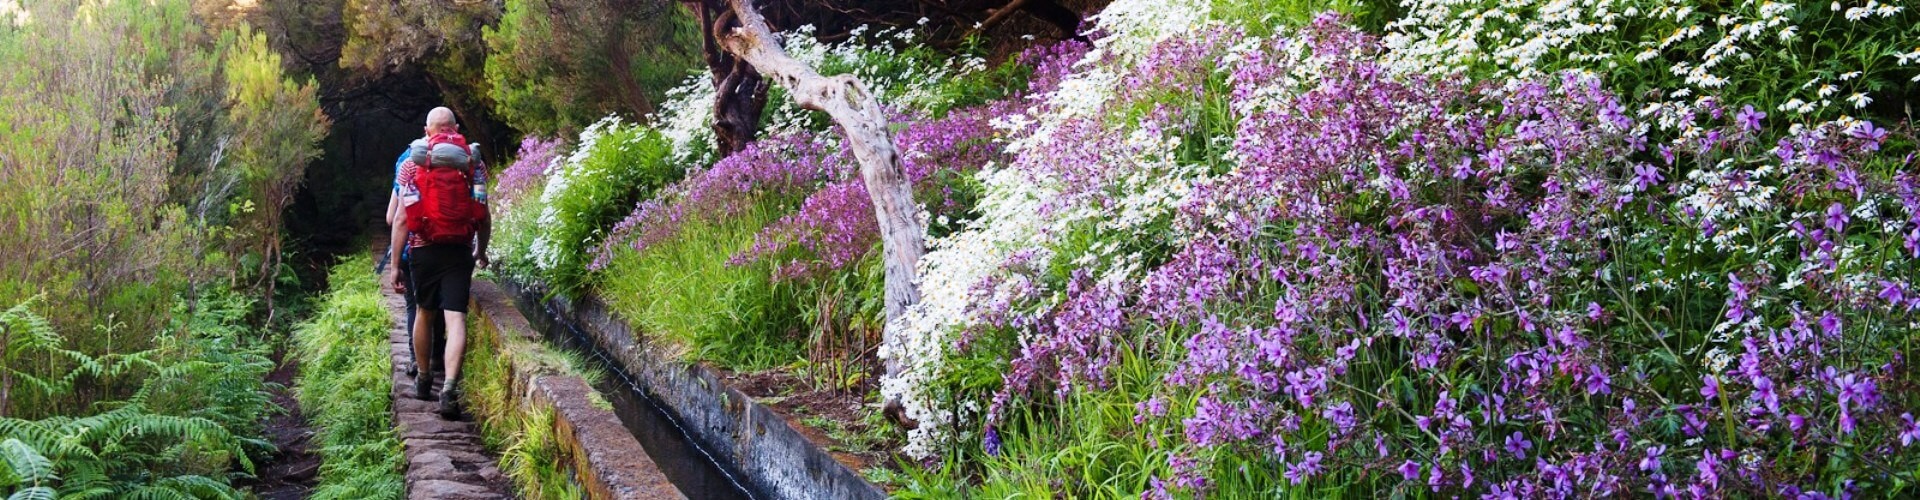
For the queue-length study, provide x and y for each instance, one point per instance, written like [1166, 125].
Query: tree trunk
[739, 92]
[864, 123]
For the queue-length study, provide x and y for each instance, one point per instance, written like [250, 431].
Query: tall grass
[346, 390]
[684, 291]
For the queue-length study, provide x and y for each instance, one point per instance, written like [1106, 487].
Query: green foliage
[532, 460]
[683, 289]
[88, 130]
[345, 390]
[385, 35]
[513, 235]
[143, 150]
[281, 126]
[973, 89]
[554, 66]
[617, 166]
[1263, 17]
[192, 423]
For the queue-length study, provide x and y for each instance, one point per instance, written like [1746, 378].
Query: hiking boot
[450, 400]
[422, 386]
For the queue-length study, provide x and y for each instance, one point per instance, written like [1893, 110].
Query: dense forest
[996, 248]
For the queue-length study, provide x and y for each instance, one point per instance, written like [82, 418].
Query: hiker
[436, 330]
[445, 229]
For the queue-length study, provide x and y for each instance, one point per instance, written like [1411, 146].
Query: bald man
[440, 274]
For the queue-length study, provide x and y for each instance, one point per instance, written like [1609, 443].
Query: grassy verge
[683, 290]
[523, 434]
[345, 388]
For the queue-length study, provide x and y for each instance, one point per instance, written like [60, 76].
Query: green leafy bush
[615, 166]
[345, 390]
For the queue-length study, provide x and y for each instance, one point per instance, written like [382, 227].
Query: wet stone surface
[445, 459]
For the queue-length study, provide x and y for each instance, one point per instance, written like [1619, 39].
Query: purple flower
[1518, 445]
[1893, 292]
[1410, 470]
[1749, 118]
[1597, 381]
[1651, 463]
[1156, 490]
[529, 169]
[1865, 130]
[1341, 414]
[1909, 431]
[1764, 394]
[1837, 218]
[1709, 468]
[992, 441]
[1645, 176]
[1709, 386]
[1308, 467]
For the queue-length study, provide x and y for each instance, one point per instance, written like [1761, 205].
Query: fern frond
[27, 463]
[89, 493]
[199, 486]
[34, 493]
[155, 492]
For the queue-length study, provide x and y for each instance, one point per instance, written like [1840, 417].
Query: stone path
[445, 459]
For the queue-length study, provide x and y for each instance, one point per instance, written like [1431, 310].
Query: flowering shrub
[614, 164]
[1062, 152]
[1384, 280]
[1491, 254]
[686, 119]
[735, 184]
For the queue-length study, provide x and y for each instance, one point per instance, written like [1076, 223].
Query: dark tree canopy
[554, 66]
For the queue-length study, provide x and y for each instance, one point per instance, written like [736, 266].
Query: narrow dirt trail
[291, 473]
[446, 460]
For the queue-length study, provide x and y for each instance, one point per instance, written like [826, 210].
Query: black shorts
[442, 276]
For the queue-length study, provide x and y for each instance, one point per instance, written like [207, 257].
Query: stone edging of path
[605, 457]
[772, 457]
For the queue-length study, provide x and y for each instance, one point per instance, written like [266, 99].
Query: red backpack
[447, 212]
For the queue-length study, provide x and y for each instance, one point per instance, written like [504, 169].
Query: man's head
[440, 121]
